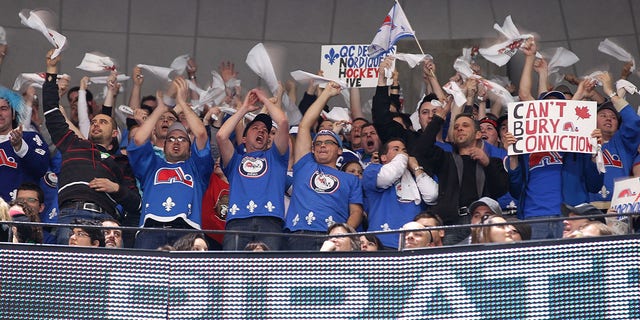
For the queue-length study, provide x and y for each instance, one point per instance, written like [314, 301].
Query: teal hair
[16, 103]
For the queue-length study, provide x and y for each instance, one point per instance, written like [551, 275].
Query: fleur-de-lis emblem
[269, 206]
[296, 219]
[251, 206]
[168, 204]
[385, 227]
[604, 192]
[331, 56]
[310, 217]
[329, 221]
[234, 209]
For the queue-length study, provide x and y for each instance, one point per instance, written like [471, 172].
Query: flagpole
[417, 42]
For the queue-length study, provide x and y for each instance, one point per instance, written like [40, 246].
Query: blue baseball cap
[328, 133]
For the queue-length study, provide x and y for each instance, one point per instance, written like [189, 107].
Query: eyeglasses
[179, 139]
[79, 234]
[318, 143]
[170, 119]
[28, 200]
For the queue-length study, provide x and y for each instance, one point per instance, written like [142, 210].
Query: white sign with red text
[552, 125]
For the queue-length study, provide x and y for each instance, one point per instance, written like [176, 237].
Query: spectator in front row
[191, 242]
[22, 212]
[583, 209]
[591, 229]
[340, 240]
[370, 242]
[416, 239]
[256, 246]
[429, 219]
[112, 237]
[86, 237]
[493, 234]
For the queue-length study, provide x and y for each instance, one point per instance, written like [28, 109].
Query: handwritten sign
[552, 125]
[351, 64]
[626, 195]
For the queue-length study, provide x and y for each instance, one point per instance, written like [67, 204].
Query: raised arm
[529, 50]
[144, 131]
[195, 124]
[355, 103]
[225, 145]
[542, 68]
[430, 76]
[281, 139]
[303, 139]
[83, 108]
[136, 90]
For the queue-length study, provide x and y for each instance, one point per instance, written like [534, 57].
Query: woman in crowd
[493, 234]
[191, 242]
[339, 240]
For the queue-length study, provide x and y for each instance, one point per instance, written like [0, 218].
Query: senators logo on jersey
[251, 167]
[324, 183]
[173, 175]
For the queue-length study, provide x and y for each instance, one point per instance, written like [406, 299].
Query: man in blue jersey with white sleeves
[173, 187]
[256, 176]
[396, 190]
[322, 194]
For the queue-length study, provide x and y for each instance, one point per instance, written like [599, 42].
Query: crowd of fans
[243, 167]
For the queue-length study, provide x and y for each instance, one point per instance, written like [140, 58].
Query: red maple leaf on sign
[583, 112]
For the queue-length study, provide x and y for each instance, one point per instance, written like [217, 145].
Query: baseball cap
[583, 209]
[552, 95]
[564, 89]
[609, 105]
[490, 119]
[329, 133]
[347, 157]
[486, 201]
[262, 117]
[177, 126]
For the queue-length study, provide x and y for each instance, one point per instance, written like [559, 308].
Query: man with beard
[92, 181]
[260, 165]
[464, 174]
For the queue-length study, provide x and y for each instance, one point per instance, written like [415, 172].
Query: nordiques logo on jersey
[324, 183]
[251, 167]
[172, 175]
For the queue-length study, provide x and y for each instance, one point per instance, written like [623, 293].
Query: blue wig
[16, 103]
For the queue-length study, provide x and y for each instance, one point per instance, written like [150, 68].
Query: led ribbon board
[587, 278]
